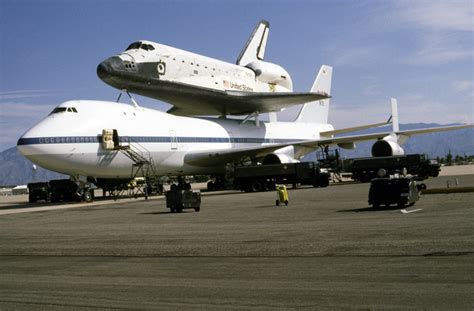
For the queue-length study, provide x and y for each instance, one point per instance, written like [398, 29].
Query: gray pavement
[326, 250]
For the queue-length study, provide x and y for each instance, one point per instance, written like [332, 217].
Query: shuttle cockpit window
[147, 47]
[133, 46]
[140, 45]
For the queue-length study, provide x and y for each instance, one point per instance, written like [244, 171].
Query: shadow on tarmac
[369, 209]
[167, 213]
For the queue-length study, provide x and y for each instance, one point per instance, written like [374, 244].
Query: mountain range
[15, 169]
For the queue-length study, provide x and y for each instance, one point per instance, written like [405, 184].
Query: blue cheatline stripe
[148, 139]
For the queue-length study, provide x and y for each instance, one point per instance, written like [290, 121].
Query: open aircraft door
[110, 139]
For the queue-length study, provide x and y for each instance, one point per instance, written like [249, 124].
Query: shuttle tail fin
[255, 47]
[318, 111]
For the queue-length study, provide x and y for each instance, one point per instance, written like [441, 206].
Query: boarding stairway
[142, 162]
[142, 166]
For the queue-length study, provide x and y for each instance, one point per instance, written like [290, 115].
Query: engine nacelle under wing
[387, 146]
[271, 73]
[280, 156]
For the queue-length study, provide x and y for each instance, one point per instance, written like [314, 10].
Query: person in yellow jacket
[282, 195]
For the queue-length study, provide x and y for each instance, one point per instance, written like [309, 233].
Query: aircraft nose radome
[22, 146]
[109, 66]
[102, 71]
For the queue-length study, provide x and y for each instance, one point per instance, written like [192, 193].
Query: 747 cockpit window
[140, 45]
[64, 109]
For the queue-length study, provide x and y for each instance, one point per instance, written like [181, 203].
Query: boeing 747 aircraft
[199, 85]
[99, 139]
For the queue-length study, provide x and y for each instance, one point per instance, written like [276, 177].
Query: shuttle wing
[191, 100]
[216, 157]
[212, 102]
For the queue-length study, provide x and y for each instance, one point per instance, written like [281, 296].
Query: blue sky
[421, 52]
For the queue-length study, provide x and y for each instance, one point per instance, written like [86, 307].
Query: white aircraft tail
[255, 47]
[395, 126]
[318, 111]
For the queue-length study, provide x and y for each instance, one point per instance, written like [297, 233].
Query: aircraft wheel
[87, 196]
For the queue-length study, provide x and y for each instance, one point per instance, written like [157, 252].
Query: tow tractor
[181, 196]
[401, 191]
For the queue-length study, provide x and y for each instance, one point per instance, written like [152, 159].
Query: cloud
[24, 110]
[429, 55]
[437, 15]
[463, 86]
[443, 30]
[21, 94]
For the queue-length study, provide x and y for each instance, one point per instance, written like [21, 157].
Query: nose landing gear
[85, 189]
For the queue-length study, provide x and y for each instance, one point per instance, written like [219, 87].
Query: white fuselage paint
[70, 142]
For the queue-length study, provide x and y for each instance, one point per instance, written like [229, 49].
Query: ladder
[142, 162]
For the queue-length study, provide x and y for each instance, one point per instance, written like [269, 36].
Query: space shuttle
[198, 85]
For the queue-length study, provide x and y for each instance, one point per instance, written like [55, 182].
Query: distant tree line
[449, 159]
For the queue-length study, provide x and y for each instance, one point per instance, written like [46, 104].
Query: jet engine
[387, 146]
[283, 155]
[271, 73]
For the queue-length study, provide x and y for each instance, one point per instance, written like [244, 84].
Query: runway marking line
[404, 211]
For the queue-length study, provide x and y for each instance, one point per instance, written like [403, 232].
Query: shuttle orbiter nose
[110, 68]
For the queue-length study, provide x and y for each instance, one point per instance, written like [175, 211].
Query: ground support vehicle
[178, 198]
[264, 177]
[63, 190]
[38, 191]
[401, 191]
[365, 169]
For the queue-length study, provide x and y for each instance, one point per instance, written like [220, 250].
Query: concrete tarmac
[326, 250]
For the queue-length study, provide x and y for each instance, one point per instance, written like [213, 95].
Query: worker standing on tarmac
[282, 195]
